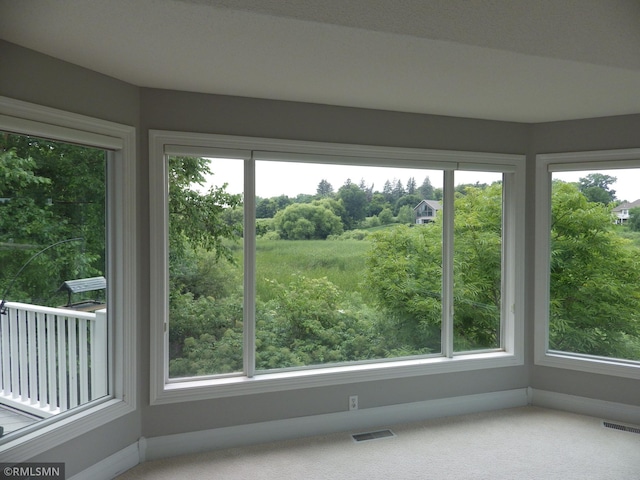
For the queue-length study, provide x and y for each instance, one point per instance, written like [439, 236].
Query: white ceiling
[516, 60]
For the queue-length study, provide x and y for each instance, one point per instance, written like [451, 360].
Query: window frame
[120, 140]
[163, 143]
[546, 164]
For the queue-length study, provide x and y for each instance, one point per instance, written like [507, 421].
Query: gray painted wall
[29, 76]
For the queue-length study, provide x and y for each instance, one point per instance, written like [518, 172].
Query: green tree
[477, 267]
[310, 322]
[595, 275]
[324, 189]
[412, 188]
[306, 221]
[426, 190]
[377, 203]
[51, 192]
[355, 204]
[197, 219]
[406, 215]
[409, 200]
[398, 191]
[386, 216]
[404, 276]
[595, 186]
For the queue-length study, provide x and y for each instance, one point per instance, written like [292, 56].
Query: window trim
[31, 119]
[161, 143]
[545, 165]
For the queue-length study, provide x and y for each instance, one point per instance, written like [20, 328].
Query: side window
[54, 278]
[594, 266]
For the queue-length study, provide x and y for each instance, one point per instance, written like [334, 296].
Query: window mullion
[447, 263]
[249, 311]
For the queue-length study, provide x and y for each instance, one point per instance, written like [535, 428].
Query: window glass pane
[595, 263]
[53, 327]
[205, 266]
[349, 264]
[477, 260]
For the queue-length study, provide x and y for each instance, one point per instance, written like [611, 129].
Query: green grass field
[341, 261]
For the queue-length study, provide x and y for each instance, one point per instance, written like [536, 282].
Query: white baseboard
[587, 406]
[244, 435]
[112, 466]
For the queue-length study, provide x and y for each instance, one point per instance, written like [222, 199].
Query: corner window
[591, 276]
[67, 331]
[299, 264]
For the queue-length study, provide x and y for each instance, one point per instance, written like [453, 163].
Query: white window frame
[30, 119]
[165, 143]
[545, 165]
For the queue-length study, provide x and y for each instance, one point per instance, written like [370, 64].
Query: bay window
[280, 264]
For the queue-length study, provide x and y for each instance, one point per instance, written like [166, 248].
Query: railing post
[5, 374]
[99, 380]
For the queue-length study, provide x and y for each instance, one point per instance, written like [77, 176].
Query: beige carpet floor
[521, 443]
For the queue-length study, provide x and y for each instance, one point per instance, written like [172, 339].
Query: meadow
[341, 261]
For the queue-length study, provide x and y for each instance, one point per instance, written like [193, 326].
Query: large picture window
[317, 261]
[591, 279]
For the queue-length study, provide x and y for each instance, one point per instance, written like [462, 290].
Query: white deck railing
[51, 359]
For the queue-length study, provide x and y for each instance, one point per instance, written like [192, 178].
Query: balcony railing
[51, 359]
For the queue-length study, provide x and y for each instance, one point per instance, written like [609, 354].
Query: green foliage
[477, 267]
[324, 189]
[351, 235]
[307, 221]
[634, 220]
[406, 215]
[404, 273]
[407, 200]
[197, 219]
[426, 190]
[595, 275]
[268, 207]
[354, 200]
[595, 187]
[310, 322]
[386, 216]
[342, 262]
[51, 192]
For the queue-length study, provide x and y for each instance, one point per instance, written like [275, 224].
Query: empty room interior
[507, 283]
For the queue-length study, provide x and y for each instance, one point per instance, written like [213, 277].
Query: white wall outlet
[353, 402]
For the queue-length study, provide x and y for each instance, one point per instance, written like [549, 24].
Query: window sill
[28, 445]
[209, 388]
[584, 363]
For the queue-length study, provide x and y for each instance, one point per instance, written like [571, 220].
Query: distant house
[426, 211]
[622, 211]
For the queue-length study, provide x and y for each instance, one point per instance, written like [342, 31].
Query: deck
[12, 420]
[51, 360]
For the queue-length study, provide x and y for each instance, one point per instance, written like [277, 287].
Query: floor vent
[377, 435]
[624, 428]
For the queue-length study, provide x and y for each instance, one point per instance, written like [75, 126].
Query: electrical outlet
[353, 402]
